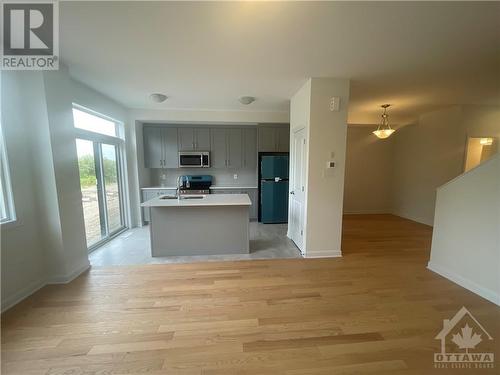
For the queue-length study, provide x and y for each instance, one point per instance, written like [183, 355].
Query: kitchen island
[199, 225]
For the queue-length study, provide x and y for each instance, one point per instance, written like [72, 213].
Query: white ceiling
[205, 55]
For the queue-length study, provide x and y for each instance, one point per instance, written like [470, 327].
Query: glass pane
[110, 172]
[88, 184]
[96, 124]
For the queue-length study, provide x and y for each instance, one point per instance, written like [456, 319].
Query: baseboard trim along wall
[486, 293]
[22, 294]
[323, 254]
[33, 288]
[64, 279]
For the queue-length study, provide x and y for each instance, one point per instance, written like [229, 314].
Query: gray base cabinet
[148, 194]
[252, 193]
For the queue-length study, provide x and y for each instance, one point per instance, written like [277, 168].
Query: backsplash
[222, 177]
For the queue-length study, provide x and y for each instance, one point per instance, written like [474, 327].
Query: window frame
[6, 184]
[119, 142]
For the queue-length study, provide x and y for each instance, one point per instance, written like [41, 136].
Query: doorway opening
[479, 149]
[102, 181]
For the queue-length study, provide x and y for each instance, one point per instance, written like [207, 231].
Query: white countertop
[212, 187]
[208, 200]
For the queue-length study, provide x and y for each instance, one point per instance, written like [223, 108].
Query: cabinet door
[146, 196]
[267, 139]
[283, 139]
[254, 209]
[153, 149]
[186, 139]
[250, 148]
[234, 148]
[202, 139]
[218, 154]
[170, 148]
[252, 194]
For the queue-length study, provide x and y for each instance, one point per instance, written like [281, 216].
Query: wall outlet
[235, 176]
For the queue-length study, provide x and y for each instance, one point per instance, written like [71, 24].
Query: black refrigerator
[273, 174]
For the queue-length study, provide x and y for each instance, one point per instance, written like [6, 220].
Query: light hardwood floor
[376, 311]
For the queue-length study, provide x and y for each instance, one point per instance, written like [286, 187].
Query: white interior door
[297, 188]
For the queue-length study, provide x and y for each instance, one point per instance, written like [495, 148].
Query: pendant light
[384, 130]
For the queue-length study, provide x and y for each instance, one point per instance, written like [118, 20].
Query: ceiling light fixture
[246, 100]
[384, 130]
[158, 98]
[486, 141]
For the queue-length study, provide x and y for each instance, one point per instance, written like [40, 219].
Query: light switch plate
[335, 104]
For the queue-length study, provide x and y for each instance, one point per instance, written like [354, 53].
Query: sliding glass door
[102, 193]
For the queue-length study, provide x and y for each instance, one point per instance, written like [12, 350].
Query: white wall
[23, 251]
[466, 237]
[432, 152]
[369, 172]
[326, 140]
[47, 243]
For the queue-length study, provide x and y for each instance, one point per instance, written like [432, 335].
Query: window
[102, 180]
[7, 212]
[98, 124]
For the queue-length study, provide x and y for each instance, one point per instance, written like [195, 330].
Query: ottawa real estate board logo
[459, 338]
[30, 35]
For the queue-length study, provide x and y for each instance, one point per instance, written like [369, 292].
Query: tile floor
[133, 247]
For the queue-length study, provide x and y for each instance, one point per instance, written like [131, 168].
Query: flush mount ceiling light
[158, 98]
[246, 100]
[384, 130]
[486, 141]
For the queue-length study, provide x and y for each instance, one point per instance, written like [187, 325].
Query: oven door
[190, 159]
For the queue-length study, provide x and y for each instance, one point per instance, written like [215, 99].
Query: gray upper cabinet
[283, 139]
[160, 147]
[218, 154]
[170, 149]
[250, 148]
[274, 139]
[153, 147]
[202, 139]
[226, 148]
[267, 139]
[234, 148]
[186, 139]
[194, 139]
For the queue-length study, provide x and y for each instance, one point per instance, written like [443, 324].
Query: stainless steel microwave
[194, 159]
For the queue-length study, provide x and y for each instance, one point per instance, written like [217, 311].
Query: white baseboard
[418, 219]
[323, 254]
[64, 279]
[368, 212]
[34, 287]
[22, 294]
[486, 293]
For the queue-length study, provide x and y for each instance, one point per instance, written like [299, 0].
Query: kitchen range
[195, 222]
